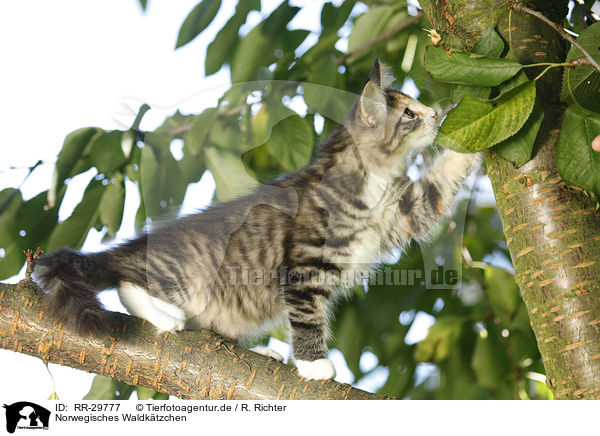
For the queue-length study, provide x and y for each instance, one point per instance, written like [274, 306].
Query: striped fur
[278, 253]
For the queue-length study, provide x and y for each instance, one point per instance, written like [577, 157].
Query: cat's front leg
[306, 307]
[421, 204]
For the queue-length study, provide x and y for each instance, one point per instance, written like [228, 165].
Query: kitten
[281, 251]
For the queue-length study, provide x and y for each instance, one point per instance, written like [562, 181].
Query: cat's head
[387, 124]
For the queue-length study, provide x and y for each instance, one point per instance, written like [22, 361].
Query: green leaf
[228, 171]
[201, 126]
[276, 23]
[475, 125]
[73, 231]
[490, 44]
[253, 51]
[10, 240]
[459, 91]
[192, 167]
[469, 69]
[68, 158]
[441, 338]
[106, 152]
[104, 388]
[502, 292]
[489, 361]
[112, 204]
[577, 163]
[582, 84]
[10, 202]
[145, 393]
[350, 338]
[162, 184]
[518, 148]
[143, 4]
[512, 83]
[291, 142]
[219, 51]
[197, 20]
[322, 72]
[332, 18]
[291, 39]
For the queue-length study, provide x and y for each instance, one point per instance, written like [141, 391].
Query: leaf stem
[544, 72]
[571, 64]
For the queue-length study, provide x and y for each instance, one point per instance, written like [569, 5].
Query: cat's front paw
[320, 369]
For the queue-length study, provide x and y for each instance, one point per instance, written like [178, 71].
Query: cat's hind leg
[165, 316]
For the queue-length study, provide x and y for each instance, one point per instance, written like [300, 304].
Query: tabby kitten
[281, 251]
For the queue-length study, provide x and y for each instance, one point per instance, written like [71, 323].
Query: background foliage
[480, 344]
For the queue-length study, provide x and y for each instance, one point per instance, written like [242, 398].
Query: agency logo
[26, 415]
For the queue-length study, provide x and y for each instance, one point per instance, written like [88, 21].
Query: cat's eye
[408, 113]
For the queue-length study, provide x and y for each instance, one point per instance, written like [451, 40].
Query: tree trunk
[552, 230]
[189, 364]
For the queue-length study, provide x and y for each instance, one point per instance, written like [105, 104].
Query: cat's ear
[375, 74]
[381, 75]
[371, 104]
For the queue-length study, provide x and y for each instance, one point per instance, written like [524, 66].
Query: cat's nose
[435, 115]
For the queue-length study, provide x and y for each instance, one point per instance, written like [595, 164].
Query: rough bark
[189, 364]
[552, 230]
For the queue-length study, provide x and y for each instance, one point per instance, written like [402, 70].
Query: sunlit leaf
[228, 171]
[518, 148]
[291, 142]
[475, 125]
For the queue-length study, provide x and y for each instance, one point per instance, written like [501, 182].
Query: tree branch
[522, 8]
[367, 45]
[189, 364]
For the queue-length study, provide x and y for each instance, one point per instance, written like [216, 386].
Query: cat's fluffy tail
[70, 280]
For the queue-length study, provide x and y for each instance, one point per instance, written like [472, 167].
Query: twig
[521, 8]
[31, 258]
[367, 45]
